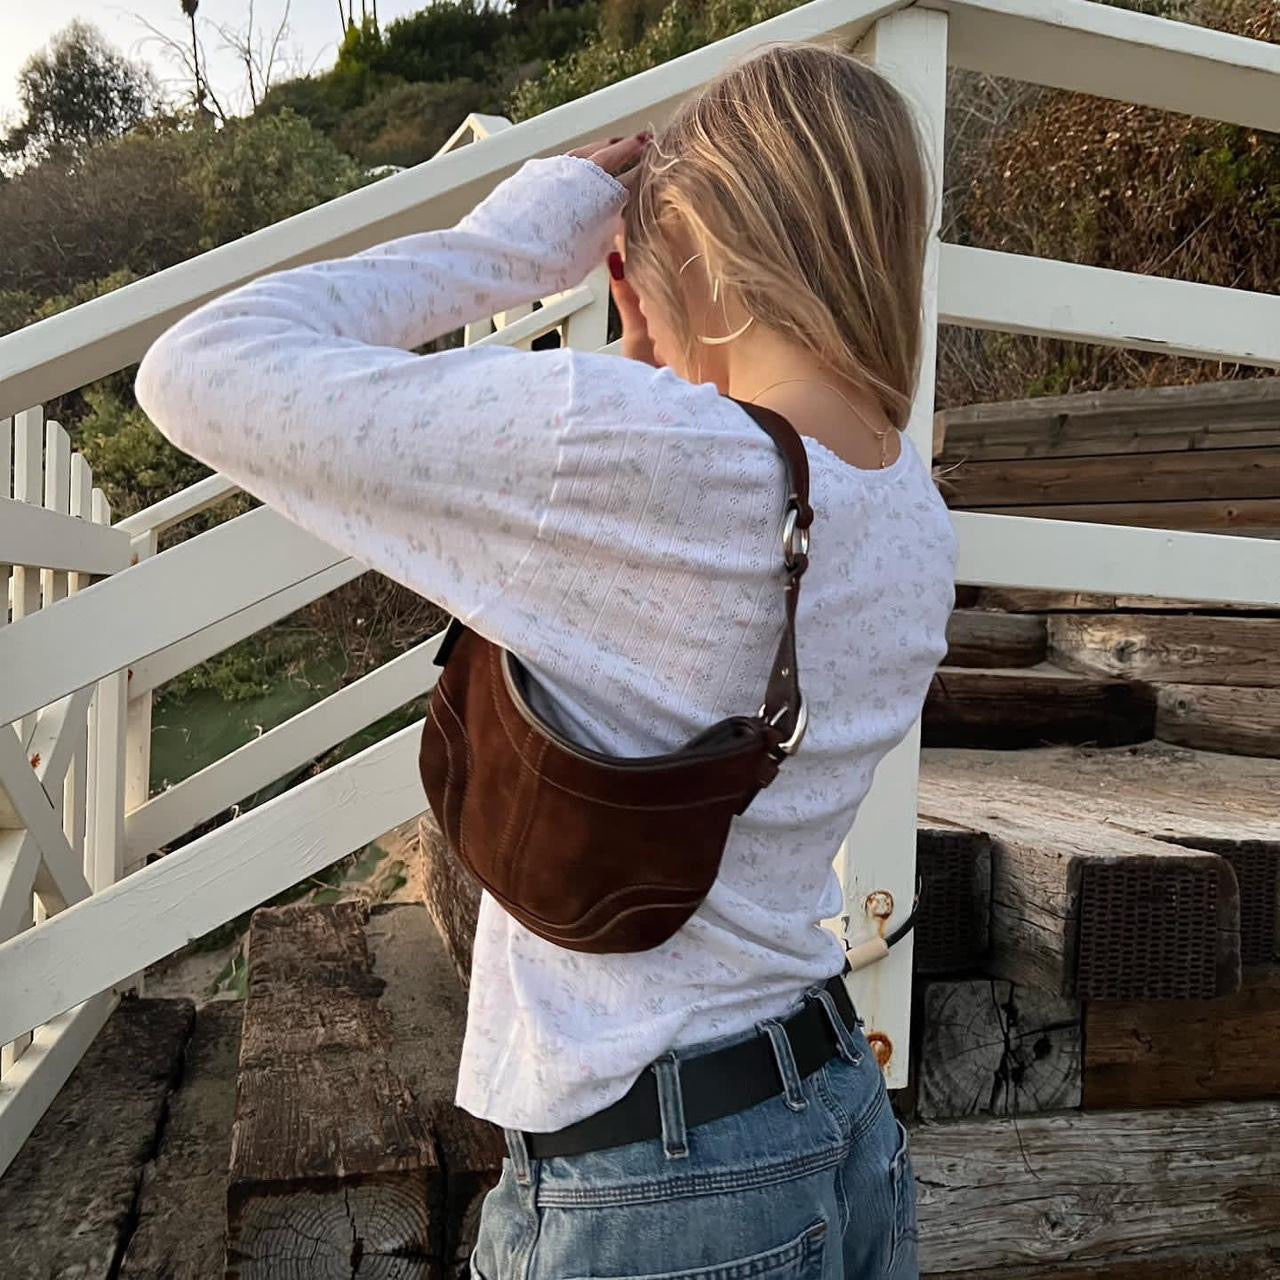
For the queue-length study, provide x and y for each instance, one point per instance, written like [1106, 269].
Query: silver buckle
[792, 744]
[795, 541]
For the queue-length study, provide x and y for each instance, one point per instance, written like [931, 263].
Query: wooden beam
[1214, 717]
[1163, 1054]
[982, 638]
[1030, 600]
[331, 1157]
[122, 929]
[990, 1048]
[1078, 1190]
[1015, 293]
[1220, 804]
[954, 913]
[1186, 649]
[43, 539]
[1209, 416]
[1258, 1260]
[1190, 476]
[182, 1200]
[1114, 53]
[1245, 516]
[973, 707]
[179, 506]
[451, 895]
[1087, 910]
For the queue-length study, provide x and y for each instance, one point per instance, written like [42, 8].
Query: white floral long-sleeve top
[617, 528]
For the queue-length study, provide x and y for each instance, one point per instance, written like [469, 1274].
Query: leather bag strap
[783, 709]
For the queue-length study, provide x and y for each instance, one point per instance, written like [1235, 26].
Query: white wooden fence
[76, 678]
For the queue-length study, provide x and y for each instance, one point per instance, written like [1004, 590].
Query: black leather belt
[712, 1085]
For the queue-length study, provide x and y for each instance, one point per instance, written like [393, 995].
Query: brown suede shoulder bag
[593, 852]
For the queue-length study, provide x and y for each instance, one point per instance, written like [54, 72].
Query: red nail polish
[615, 265]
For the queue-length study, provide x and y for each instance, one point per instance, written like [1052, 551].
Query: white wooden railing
[76, 675]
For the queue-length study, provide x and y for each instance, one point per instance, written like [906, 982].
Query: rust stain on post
[881, 1046]
[879, 906]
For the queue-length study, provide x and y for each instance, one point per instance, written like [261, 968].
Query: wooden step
[67, 1200]
[337, 1158]
[1164, 1054]
[987, 1047]
[1219, 804]
[1165, 647]
[1079, 1189]
[1205, 417]
[1248, 517]
[1254, 1261]
[1036, 600]
[182, 1202]
[1217, 717]
[1086, 909]
[983, 638]
[1033, 708]
[952, 931]
[1182, 476]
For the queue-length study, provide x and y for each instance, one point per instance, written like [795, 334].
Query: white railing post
[588, 327]
[28, 486]
[107, 758]
[877, 862]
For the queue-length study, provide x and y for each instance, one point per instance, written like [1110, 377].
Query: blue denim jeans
[813, 1184]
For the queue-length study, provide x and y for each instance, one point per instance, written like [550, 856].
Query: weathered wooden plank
[1260, 1262]
[1186, 476]
[1088, 910]
[1082, 1188]
[983, 638]
[1250, 516]
[991, 1048]
[1188, 1051]
[182, 1202]
[427, 1006]
[1220, 804]
[1180, 649]
[1215, 717]
[1214, 415]
[332, 1162]
[1029, 600]
[952, 920]
[66, 1201]
[452, 896]
[972, 707]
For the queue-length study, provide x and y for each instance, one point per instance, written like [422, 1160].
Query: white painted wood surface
[129, 925]
[1064, 555]
[1117, 53]
[984, 289]
[879, 856]
[179, 506]
[155, 604]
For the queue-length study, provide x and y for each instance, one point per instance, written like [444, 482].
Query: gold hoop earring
[728, 337]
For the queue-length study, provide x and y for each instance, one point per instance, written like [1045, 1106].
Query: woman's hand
[636, 342]
[618, 157]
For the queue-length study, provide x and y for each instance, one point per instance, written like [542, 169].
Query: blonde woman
[708, 1107]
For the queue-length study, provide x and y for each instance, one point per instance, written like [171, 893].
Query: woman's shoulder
[625, 403]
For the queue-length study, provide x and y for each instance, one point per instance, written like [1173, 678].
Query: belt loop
[519, 1153]
[844, 1037]
[786, 1061]
[675, 1138]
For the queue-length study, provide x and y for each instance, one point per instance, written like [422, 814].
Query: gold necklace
[882, 436]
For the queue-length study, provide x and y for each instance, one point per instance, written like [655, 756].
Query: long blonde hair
[798, 181]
